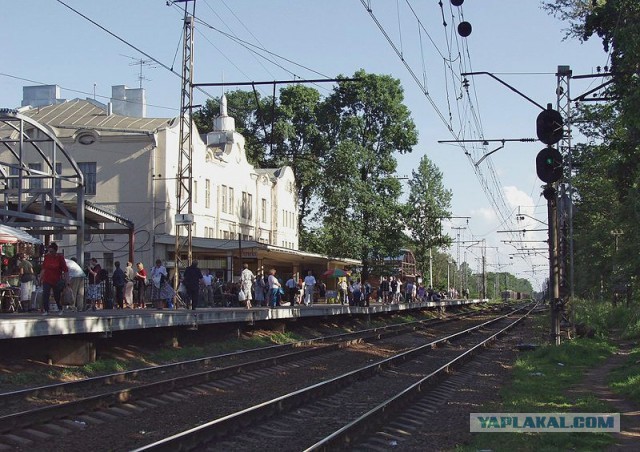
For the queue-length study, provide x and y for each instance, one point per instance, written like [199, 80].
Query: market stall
[12, 242]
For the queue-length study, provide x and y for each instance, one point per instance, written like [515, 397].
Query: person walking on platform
[343, 291]
[52, 276]
[93, 292]
[192, 281]
[366, 293]
[207, 288]
[274, 289]
[356, 293]
[129, 277]
[159, 278]
[140, 286]
[247, 278]
[260, 290]
[292, 290]
[76, 282]
[118, 280]
[384, 290]
[322, 289]
[309, 288]
[27, 280]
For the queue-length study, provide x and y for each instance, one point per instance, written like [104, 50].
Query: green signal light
[549, 165]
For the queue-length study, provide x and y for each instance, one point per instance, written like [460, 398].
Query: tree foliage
[366, 124]
[607, 166]
[428, 204]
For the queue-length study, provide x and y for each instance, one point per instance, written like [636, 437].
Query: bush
[607, 320]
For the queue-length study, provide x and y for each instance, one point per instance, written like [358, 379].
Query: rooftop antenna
[141, 62]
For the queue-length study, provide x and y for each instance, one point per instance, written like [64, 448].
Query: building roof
[77, 114]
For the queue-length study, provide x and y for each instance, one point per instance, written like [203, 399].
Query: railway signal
[549, 126]
[549, 165]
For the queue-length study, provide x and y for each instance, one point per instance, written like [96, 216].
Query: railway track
[330, 415]
[74, 412]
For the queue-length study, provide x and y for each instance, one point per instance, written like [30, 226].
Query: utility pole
[556, 303]
[184, 179]
[458, 229]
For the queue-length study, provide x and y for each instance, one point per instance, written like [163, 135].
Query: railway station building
[129, 165]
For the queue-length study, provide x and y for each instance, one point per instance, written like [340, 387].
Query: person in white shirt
[309, 287]
[129, 277]
[274, 289]
[246, 282]
[207, 288]
[159, 278]
[76, 282]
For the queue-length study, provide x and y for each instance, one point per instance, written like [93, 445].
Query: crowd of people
[133, 287]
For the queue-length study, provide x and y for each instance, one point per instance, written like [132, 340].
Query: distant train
[513, 295]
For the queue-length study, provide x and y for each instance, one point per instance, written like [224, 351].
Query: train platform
[106, 322]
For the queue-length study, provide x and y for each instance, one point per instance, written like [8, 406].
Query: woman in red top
[54, 270]
[140, 285]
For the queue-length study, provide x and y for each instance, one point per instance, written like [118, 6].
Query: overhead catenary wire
[124, 41]
[468, 117]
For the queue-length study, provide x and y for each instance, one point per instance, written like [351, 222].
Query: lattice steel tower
[565, 211]
[184, 179]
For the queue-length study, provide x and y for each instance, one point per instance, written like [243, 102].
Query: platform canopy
[13, 235]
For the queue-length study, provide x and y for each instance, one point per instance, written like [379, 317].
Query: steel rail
[194, 439]
[25, 419]
[130, 375]
[371, 420]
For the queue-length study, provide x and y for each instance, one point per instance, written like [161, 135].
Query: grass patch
[626, 379]
[22, 379]
[539, 384]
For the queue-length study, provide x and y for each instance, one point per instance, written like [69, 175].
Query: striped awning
[13, 235]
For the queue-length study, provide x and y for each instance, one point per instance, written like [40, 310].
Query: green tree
[427, 205]
[607, 166]
[299, 143]
[366, 123]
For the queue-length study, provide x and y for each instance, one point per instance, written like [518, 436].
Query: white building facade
[130, 166]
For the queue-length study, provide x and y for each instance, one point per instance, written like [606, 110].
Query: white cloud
[516, 197]
[484, 213]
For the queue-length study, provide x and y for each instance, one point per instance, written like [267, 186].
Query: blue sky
[45, 42]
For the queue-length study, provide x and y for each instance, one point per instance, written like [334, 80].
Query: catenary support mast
[184, 180]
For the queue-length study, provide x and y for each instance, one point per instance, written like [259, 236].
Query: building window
[37, 182]
[89, 171]
[194, 195]
[231, 201]
[263, 213]
[107, 261]
[58, 182]
[15, 171]
[243, 205]
[224, 198]
[207, 193]
[246, 209]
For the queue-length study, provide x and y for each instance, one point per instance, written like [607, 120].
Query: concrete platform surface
[34, 324]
